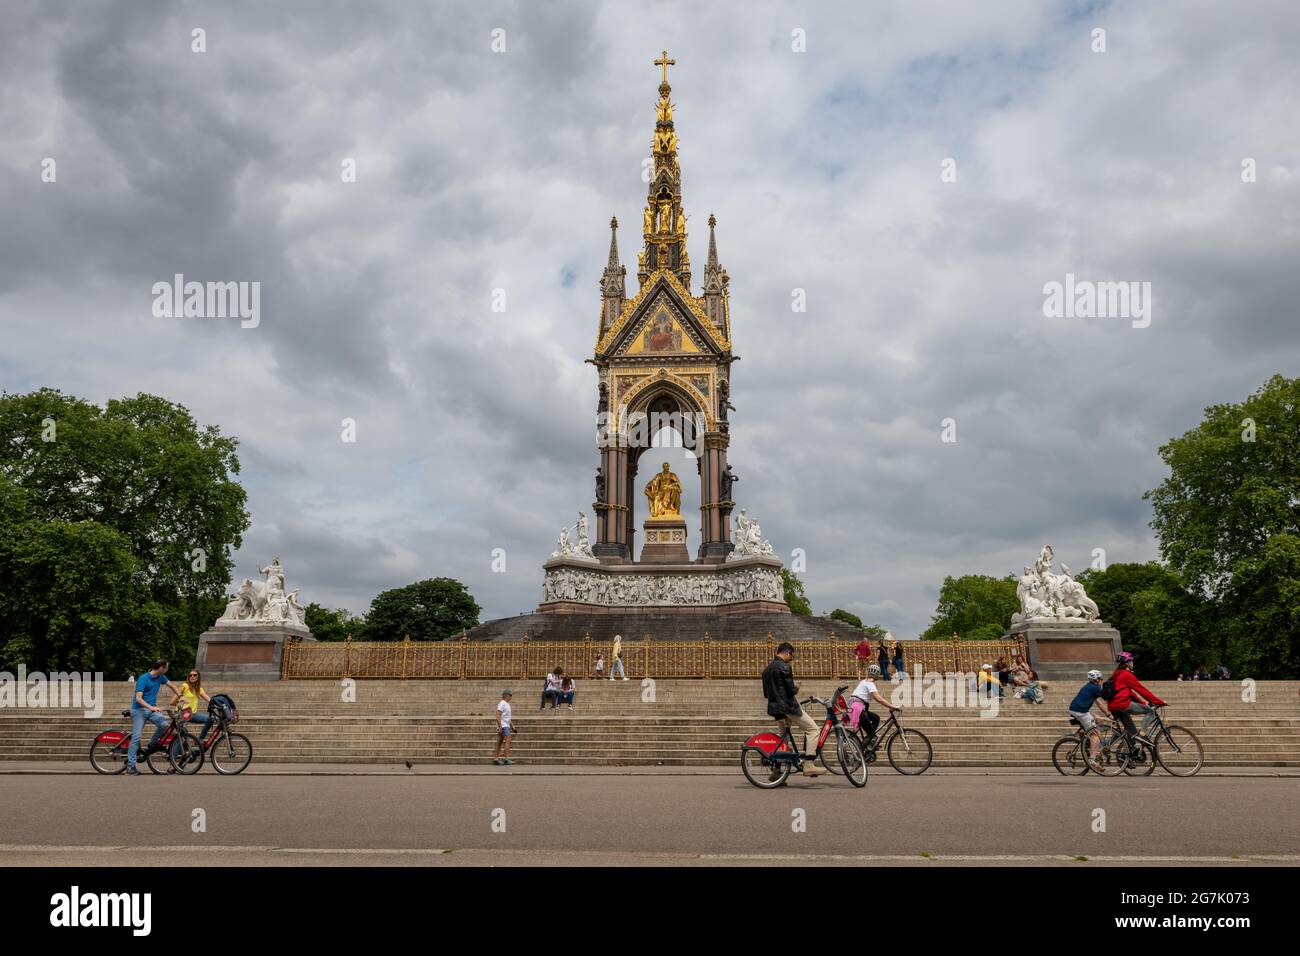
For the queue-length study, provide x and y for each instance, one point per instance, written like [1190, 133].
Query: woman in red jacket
[1122, 705]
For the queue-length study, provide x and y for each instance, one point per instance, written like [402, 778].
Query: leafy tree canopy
[117, 526]
[975, 606]
[430, 610]
[794, 596]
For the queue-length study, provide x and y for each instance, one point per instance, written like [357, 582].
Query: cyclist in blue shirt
[1081, 707]
[145, 708]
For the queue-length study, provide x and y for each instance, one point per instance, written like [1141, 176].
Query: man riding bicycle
[860, 702]
[1081, 707]
[782, 695]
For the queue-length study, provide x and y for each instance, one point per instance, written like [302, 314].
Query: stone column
[716, 523]
[612, 544]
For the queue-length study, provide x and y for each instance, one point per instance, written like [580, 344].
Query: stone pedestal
[1067, 650]
[665, 541]
[244, 652]
[746, 586]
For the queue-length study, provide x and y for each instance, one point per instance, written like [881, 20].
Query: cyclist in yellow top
[189, 694]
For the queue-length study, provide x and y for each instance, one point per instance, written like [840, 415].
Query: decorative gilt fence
[511, 660]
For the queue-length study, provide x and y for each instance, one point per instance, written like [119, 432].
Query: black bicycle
[909, 751]
[1173, 746]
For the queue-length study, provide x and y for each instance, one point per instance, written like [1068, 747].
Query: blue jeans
[199, 717]
[617, 666]
[138, 717]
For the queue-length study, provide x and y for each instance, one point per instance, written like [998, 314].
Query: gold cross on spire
[665, 63]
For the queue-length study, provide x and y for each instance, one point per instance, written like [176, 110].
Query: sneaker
[624, 678]
[510, 763]
[132, 772]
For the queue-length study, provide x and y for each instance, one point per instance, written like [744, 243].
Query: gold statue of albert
[664, 492]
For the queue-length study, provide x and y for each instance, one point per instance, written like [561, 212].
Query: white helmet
[986, 667]
[873, 670]
[1094, 675]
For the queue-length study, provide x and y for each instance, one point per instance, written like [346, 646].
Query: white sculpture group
[265, 602]
[580, 547]
[1046, 596]
[662, 590]
[748, 539]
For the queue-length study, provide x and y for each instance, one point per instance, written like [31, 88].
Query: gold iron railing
[704, 659]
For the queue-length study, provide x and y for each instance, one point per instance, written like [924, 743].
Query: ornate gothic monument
[663, 360]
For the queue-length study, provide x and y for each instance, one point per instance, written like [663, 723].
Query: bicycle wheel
[760, 770]
[231, 753]
[829, 756]
[1109, 755]
[1067, 757]
[1179, 751]
[852, 764]
[909, 752]
[186, 754]
[1142, 761]
[108, 758]
[158, 760]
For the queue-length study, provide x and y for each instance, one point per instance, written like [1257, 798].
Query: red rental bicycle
[177, 748]
[767, 759]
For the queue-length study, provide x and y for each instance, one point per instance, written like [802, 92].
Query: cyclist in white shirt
[861, 698]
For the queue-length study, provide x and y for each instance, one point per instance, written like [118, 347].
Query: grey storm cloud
[479, 171]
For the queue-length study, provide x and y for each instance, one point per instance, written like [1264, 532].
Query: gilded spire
[664, 227]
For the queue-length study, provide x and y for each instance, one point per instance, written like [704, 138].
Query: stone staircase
[683, 723]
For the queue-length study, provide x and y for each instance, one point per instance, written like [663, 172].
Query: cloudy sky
[478, 170]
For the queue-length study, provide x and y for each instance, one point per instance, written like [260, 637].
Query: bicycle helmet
[873, 670]
[1124, 657]
[1094, 675]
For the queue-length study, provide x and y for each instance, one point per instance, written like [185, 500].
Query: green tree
[795, 599]
[975, 606]
[430, 610]
[1164, 625]
[117, 533]
[328, 624]
[839, 614]
[1228, 519]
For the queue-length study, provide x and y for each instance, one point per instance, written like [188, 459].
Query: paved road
[662, 819]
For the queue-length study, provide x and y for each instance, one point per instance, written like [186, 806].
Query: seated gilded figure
[664, 493]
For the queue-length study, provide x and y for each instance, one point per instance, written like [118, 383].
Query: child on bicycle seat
[861, 698]
[1081, 707]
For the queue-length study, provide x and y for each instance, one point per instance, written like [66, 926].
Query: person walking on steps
[616, 659]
